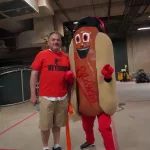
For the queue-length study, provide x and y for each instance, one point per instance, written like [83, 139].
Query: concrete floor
[131, 126]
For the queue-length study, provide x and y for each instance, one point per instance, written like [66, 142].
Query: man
[52, 64]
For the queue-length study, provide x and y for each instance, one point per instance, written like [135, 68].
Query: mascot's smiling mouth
[82, 52]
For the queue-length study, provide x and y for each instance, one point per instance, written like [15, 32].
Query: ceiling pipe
[9, 37]
[93, 7]
[105, 4]
[129, 17]
[139, 16]
[109, 9]
[145, 8]
[62, 10]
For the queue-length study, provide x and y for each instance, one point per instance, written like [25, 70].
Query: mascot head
[85, 34]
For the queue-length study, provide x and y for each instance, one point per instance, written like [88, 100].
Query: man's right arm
[36, 67]
[33, 82]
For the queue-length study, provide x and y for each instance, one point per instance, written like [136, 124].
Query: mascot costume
[94, 92]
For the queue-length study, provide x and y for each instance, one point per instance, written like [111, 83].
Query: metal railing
[14, 85]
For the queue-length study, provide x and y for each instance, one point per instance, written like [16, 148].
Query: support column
[35, 38]
[130, 54]
[58, 25]
[44, 7]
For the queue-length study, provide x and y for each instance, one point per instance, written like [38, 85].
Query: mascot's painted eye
[86, 37]
[77, 39]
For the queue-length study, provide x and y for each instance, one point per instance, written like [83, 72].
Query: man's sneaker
[58, 148]
[86, 145]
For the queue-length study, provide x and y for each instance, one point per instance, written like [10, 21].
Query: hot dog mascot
[94, 92]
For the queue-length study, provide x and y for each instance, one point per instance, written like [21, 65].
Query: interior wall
[138, 49]
[58, 25]
[42, 27]
[6, 43]
[120, 54]
[22, 57]
[33, 4]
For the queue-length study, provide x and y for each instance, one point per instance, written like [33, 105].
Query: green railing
[14, 85]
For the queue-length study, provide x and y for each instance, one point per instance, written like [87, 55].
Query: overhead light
[75, 22]
[145, 28]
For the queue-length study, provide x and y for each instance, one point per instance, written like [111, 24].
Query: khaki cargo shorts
[52, 113]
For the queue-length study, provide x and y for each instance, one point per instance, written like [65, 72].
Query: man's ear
[48, 43]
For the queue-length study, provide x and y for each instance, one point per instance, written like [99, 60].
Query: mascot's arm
[107, 72]
[70, 78]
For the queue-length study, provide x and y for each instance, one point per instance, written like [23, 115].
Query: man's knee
[56, 129]
[44, 128]
[61, 114]
[45, 131]
[46, 114]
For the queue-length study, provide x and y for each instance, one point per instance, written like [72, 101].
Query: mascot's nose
[82, 45]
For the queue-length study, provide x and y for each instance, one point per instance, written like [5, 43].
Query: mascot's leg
[88, 124]
[104, 122]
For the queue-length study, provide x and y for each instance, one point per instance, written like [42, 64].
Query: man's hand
[33, 100]
[107, 71]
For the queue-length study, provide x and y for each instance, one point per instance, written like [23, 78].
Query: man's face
[54, 42]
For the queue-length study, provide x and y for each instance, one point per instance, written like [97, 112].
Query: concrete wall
[58, 25]
[42, 27]
[138, 50]
[33, 4]
[120, 54]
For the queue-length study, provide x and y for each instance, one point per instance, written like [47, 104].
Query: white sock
[56, 145]
[45, 148]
